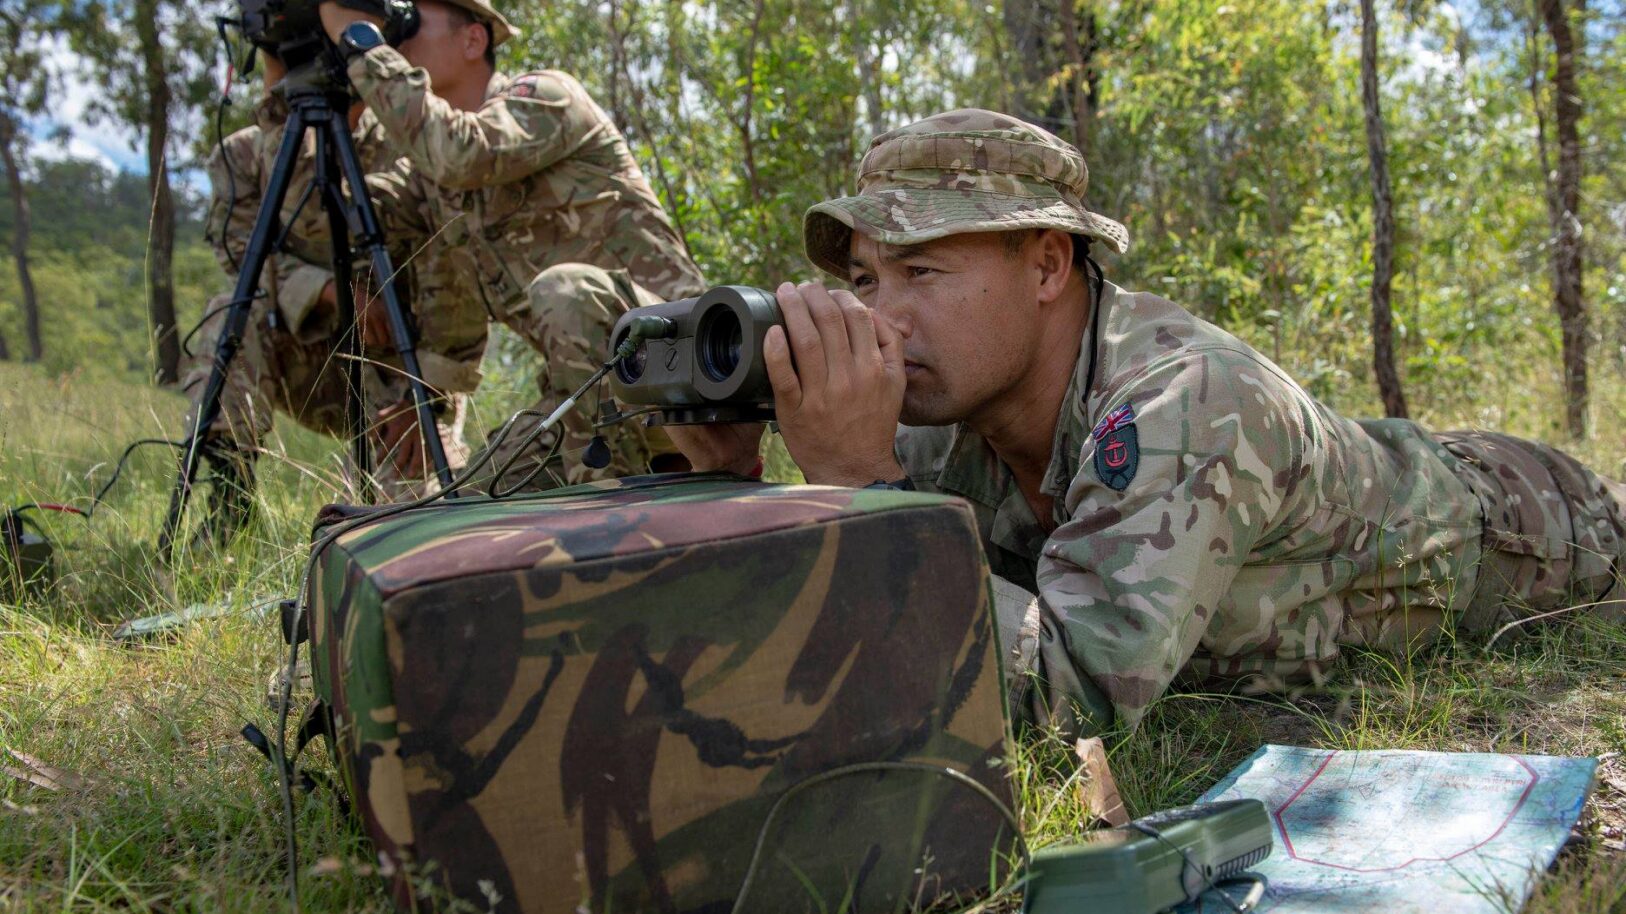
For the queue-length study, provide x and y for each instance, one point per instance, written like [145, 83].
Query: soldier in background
[533, 191]
[1158, 500]
[289, 356]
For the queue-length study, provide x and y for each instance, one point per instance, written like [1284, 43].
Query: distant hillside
[75, 200]
[87, 254]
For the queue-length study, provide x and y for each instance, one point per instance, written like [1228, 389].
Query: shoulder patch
[1117, 448]
[546, 87]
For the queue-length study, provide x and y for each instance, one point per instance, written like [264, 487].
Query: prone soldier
[532, 191]
[1158, 500]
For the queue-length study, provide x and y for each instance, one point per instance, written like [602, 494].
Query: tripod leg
[369, 235]
[327, 183]
[233, 327]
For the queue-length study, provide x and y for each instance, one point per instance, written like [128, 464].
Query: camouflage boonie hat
[962, 171]
[501, 28]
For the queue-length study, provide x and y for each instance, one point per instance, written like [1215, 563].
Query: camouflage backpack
[643, 695]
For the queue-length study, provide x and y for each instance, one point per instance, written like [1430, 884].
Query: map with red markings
[1402, 832]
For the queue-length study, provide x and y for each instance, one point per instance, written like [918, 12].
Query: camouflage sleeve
[299, 294]
[537, 120]
[1128, 584]
[235, 178]
[234, 197]
[399, 198]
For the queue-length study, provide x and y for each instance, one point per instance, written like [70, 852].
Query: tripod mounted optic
[292, 31]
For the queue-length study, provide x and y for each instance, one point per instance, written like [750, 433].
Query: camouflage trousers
[1555, 532]
[1553, 545]
[567, 315]
[274, 370]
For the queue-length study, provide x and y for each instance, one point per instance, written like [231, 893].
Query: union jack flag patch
[1117, 448]
[1115, 420]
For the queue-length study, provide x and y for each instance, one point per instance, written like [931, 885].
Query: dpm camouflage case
[615, 698]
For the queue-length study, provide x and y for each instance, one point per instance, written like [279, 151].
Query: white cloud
[110, 144]
[76, 147]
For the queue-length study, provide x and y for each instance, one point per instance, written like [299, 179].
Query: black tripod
[316, 104]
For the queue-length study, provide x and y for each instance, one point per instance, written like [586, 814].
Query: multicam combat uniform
[537, 196]
[287, 359]
[1211, 520]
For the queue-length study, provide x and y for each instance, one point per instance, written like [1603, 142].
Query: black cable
[547, 459]
[627, 347]
[281, 242]
[1097, 316]
[952, 774]
[220, 143]
[96, 500]
[186, 344]
[119, 469]
[101, 493]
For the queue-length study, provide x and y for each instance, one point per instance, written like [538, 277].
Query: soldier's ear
[1053, 253]
[476, 42]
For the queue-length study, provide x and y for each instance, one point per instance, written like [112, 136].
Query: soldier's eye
[863, 281]
[917, 272]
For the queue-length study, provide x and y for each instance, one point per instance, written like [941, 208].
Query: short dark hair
[465, 17]
[1016, 239]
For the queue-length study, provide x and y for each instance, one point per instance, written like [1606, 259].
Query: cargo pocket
[1528, 557]
[1597, 527]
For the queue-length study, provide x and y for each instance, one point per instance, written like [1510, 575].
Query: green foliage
[76, 203]
[1228, 137]
[87, 258]
[107, 33]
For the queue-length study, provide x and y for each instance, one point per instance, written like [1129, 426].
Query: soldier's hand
[273, 68]
[729, 447]
[400, 441]
[336, 17]
[838, 402]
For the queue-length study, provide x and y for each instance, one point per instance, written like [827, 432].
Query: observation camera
[699, 359]
[292, 29]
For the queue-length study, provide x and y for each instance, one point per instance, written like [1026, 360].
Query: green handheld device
[1153, 863]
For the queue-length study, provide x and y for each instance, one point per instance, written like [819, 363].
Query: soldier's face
[967, 309]
[449, 47]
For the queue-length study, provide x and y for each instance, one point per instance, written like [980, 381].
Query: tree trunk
[1082, 87]
[1383, 223]
[1564, 213]
[161, 246]
[869, 72]
[19, 244]
[1025, 24]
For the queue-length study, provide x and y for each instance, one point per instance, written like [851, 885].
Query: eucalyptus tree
[152, 57]
[26, 81]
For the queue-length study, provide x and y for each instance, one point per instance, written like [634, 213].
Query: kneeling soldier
[532, 188]
[289, 360]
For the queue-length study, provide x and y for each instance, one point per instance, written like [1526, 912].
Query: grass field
[166, 808]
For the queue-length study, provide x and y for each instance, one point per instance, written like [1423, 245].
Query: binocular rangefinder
[699, 359]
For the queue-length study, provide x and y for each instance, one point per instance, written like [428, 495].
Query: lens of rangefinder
[719, 338]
